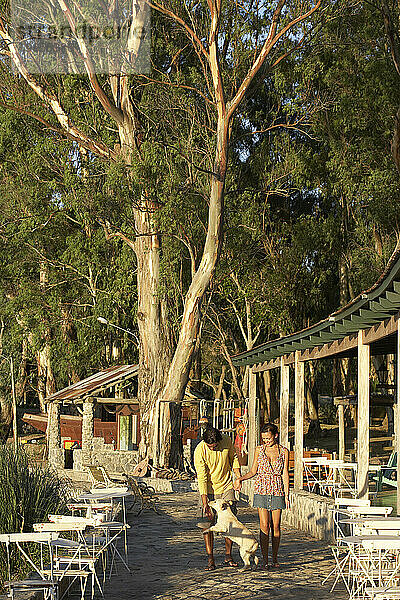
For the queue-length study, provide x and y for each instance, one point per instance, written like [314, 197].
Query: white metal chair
[47, 584]
[383, 593]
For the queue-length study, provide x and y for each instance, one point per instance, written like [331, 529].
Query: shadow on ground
[167, 561]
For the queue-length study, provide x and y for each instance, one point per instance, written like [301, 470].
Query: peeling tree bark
[163, 373]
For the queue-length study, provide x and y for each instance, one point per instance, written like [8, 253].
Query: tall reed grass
[27, 495]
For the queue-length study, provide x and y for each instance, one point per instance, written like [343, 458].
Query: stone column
[363, 417]
[87, 431]
[55, 453]
[284, 406]
[298, 422]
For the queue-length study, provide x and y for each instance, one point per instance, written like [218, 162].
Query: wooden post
[284, 406]
[253, 424]
[342, 438]
[298, 422]
[14, 405]
[363, 417]
[397, 417]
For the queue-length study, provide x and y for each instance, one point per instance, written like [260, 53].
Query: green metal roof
[372, 306]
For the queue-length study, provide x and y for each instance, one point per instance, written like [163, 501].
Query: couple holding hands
[215, 458]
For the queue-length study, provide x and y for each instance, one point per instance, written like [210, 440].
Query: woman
[271, 488]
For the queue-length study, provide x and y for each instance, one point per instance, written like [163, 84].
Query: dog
[230, 526]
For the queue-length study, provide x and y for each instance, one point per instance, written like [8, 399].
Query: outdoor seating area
[366, 550]
[80, 551]
[338, 478]
[142, 495]
[329, 477]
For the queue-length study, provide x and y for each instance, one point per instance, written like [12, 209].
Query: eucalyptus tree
[57, 272]
[233, 46]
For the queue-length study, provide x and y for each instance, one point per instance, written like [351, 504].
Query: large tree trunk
[156, 342]
[155, 349]
[182, 360]
[46, 381]
[22, 377]
[70, 338]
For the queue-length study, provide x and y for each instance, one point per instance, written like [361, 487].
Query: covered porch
[94, 421]
[369, 326]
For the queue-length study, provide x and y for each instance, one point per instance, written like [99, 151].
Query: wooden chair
[144, 496]
[306, 454]
[386, 473]
[99, 478]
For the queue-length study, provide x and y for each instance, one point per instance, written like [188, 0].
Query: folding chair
[112, 531]
[339, 551]
[383, 593]
[47, 583]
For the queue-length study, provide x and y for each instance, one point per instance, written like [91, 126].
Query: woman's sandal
[229, 562]
[211, 564]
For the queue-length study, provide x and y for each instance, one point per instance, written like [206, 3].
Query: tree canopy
[242, 189]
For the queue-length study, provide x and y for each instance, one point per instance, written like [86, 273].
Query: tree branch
[169, 13]
[52, 102]
[269, 43]
[104, 100]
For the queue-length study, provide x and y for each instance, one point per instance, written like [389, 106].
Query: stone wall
[308, 512]
[104, 455]
[311, 513]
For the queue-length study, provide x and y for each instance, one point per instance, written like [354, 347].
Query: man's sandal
[211, 564]
[229, 562]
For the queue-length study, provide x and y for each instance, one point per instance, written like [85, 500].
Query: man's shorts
[228, 495]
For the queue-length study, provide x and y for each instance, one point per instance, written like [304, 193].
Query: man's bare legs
[229, 562]
[276, 534]
[209, 541]
[264, 516]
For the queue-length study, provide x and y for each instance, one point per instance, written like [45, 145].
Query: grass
[27, 495]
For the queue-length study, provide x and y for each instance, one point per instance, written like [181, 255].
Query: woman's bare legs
[264, 516]
[276, 534]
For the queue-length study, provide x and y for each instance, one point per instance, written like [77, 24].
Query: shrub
[27, 495]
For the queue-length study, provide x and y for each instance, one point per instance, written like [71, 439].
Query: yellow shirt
[214, 467]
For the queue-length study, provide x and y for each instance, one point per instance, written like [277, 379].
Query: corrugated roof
[379, 302]
[94, 383]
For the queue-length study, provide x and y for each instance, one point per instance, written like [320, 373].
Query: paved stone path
[167, 562]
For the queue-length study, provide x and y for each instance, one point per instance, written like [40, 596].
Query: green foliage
[311, 191]
[27, 495]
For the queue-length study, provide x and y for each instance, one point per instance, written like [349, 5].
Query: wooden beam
[253, 412]
[284, 405]
[342, 438]
[298, 422]
[381, 330]
[337, 347]
[101, 400]
[268, 365]
[363, 416]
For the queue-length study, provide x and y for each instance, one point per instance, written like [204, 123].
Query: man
[214, 459]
